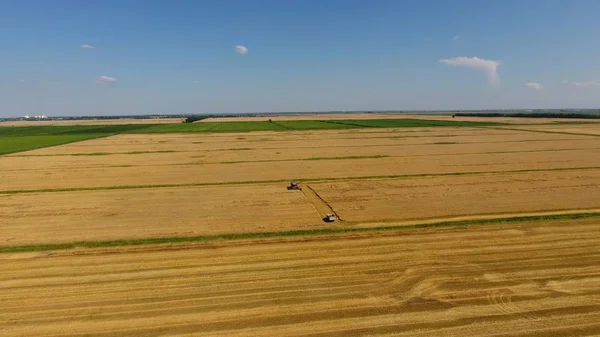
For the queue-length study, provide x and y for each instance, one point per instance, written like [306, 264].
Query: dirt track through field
[529, 279]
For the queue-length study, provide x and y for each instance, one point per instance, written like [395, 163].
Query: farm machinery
[330, 218]
[293, 186]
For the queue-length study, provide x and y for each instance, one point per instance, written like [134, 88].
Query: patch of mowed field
[169, 159]
[317, 141]
[592, 129]
[157, 169]
[525, 279]
[167, 212]
[194, 150]
[461, 195]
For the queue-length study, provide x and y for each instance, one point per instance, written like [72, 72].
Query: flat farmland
[489, 230]
[527, 279]
[367, 116]
[136, 214]
[589, 129]
[440, 197]
[127, 143]
[142, 160]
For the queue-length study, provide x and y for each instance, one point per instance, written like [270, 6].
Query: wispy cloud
[107, 79]
[21, 81]
[456, 37]
[586, 84]
[86, 46]
[488, 67]
[535, 86]
[241, 50]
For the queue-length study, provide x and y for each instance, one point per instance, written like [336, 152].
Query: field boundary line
[307, 180]
[542, 131]
[481, 217]
[309, 232]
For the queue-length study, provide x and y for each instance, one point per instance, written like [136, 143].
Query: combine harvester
[293, 186]
[330, 217]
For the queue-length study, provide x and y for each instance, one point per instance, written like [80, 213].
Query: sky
[125, 57]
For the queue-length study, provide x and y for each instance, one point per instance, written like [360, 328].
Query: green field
[406, 123]
[26, 143]
[314, 125]
[24, 138]
[211, 127]
[303, 125]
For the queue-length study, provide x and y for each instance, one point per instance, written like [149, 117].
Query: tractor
[293, 186]
[330, 218]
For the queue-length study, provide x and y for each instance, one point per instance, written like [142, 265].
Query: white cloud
[86, 46]
[107, 79]
[457, 37]
[488, 67]
[535, 86]
[21, 81]
[586, 84]
[241, 50]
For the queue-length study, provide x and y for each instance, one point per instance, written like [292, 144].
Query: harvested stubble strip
[265, 235]
[251, 182]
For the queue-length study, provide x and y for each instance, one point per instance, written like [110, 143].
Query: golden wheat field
[590, 129]
[263, 156]
[428, 241]
[528, 279]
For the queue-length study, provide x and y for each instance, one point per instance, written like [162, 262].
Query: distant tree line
[195, 118]
[531, 115]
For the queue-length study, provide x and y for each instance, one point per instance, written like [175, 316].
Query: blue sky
[178, 56]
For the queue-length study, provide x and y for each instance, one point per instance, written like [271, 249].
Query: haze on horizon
[158, 57]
